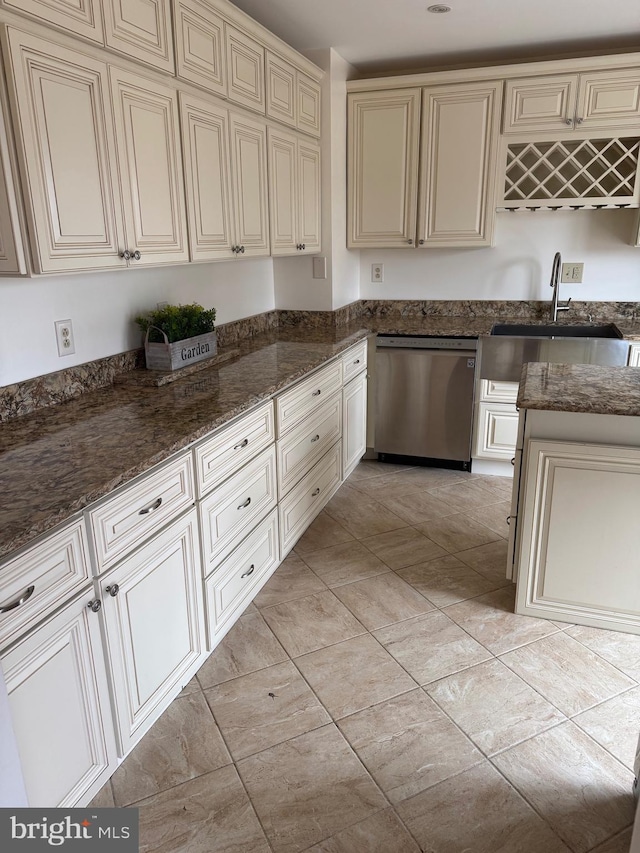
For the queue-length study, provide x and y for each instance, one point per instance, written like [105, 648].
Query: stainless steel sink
[531, 330]
[509, 346]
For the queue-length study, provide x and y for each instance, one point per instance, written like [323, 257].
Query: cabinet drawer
[231, 510]
[125, 520]
[229, 587]
[298, 509]
[492, 391]
[41, 579]
[306, 443]
[497, 431]
[353, 361]
[220, 456]
[305, 396]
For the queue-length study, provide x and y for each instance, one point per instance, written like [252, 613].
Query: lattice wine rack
[571, 173]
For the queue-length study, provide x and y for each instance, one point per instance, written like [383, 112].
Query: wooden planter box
[168, 356]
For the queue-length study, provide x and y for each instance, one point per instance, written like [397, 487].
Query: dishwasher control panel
[426, 342]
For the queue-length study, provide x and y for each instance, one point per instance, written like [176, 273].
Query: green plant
[178, 322]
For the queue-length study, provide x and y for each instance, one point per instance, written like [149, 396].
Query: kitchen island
[575, 539]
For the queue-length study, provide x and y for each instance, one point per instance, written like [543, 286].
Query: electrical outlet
[572, 273]
[320, 267]
[64, 337]
[377, 272]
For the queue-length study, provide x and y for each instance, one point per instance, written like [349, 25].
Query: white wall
[519, 266]
[102, 307]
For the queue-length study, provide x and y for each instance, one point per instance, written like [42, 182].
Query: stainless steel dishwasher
[424, 399]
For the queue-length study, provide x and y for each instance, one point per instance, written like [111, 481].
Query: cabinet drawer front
[305, 396]
[232, 509]
[298, 509]
[497, 431]
[127, 519]
[304, 445]
[228, 588]
[59, 702]
[353, 361]
[42, 578]
[154, 625]
[498, 392]
[228, 450]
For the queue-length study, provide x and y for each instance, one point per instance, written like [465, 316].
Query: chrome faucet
[555, 284]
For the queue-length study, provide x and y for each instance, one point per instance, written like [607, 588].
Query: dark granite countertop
[57, 461]
[580, 388]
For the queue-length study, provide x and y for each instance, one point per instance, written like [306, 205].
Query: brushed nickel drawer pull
[316, 493]
[315, 438]
[317, 393]
[249, 571]
[245, 504]
[151, 508]
[241, 444]
[26, 595]
[513, 461]
[509, 520]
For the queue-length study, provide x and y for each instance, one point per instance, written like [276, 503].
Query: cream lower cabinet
[150, 158]
[354, 407]
[495, 421]
[60, 709]
[459, 150]
[154, 626]
[66, 146]
[294, 194]
[634, 355]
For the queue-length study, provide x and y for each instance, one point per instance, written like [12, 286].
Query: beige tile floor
[380, 696]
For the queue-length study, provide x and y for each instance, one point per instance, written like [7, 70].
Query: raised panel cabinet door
[245, 70]
[541, 103]
[382, 168]
[59, 702]
[249, 182]
[283, 192]
[200, 45]
[80, 17]
[141, 29]
[205, 145]
[12, 247]
[62, 116]
[496, 431]
[309, 198]
[154, 626]
[308, 112]
[458, 165]
[280, 89]
[609, 99]
[150, 159]
[634, 355]
[354, 423]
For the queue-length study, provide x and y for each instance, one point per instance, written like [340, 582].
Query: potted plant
[178, 335]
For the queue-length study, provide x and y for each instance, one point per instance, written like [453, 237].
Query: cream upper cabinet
[150, 160]
[245, 70]
[141, 29]
[309, 106]
[12, 253]
[281, 90]
[80, 17]
[62, 111]
[601, 100]
[205, 133]
[200, 45]
[249, 185]
[294, 194]
[382, 170]
[460, 126]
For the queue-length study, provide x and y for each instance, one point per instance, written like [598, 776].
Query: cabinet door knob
[126, 255]
[579, 120]
[249, 571]
[241, 250]
[26, 595]
[94, 605]
[303, 246]
[513, 461]
[410, 242]
[113, 589]
[136, 255]
[568, 121]
[421, 242]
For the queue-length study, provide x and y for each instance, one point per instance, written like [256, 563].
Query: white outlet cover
[320, 267]
[64, 337]
[572, 273]
[377, 272]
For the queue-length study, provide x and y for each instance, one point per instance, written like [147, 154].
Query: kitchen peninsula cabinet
[294, 194]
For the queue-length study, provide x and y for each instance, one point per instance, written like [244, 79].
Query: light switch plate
[572, 273]
[320, 267]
